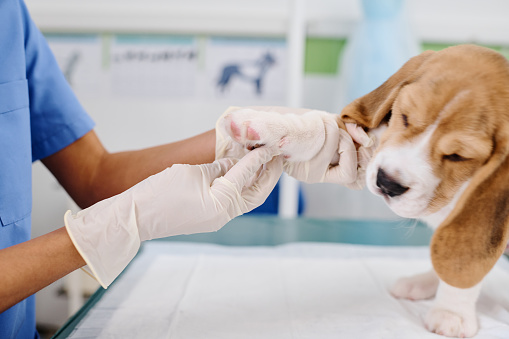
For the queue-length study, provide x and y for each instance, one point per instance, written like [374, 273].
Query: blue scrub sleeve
[57, 118]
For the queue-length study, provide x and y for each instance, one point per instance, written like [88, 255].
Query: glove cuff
[106, 246]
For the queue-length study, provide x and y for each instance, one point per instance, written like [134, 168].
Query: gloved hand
[367, 146]
[337, 161]
[183, 199]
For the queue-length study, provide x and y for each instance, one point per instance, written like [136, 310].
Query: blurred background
[152, 72]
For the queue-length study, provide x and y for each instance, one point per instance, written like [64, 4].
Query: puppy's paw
[417, 287]
[451, 324]
[296, 137]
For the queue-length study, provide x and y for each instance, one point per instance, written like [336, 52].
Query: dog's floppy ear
[371, 109]
[474, 236]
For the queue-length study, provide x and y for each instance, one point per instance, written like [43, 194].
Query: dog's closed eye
[405, 120]
[454, 157]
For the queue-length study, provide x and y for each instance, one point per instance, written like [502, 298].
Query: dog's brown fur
[465, 91]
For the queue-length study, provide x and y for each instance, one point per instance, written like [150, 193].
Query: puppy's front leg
[453, 311]
[296, 137]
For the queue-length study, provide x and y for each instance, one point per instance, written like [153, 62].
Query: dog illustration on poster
[250, 71]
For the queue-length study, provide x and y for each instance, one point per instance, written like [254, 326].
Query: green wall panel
[323, 55]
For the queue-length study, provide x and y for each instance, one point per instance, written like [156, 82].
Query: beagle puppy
[443, 158]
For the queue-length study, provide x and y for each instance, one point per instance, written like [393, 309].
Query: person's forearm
[89, 173]
[30, 266]
[123, 170]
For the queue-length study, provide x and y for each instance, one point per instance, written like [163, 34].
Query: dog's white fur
[408, 163]
[453, 312]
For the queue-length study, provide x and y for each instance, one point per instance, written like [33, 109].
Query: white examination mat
[304, 290]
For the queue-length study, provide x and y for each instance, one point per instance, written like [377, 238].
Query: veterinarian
[128, 197]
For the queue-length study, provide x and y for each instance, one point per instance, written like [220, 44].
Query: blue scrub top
[39, 115]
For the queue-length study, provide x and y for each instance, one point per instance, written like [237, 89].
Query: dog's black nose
[388, 185]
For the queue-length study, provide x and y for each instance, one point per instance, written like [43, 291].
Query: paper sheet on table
[231, 296]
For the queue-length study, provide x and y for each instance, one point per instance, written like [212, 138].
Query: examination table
[298, 278]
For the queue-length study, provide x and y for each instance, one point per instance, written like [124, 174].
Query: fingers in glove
[241, 173]
[258, 192]
[364, 155]
[330, 150]
[269, 175]
[218, 168]
[359, 135]
[346, 171]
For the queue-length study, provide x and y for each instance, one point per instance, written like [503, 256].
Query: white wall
[481, 21]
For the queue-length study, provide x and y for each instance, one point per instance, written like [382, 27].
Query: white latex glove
[368, 144]
[337, 161]
[183, 199]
